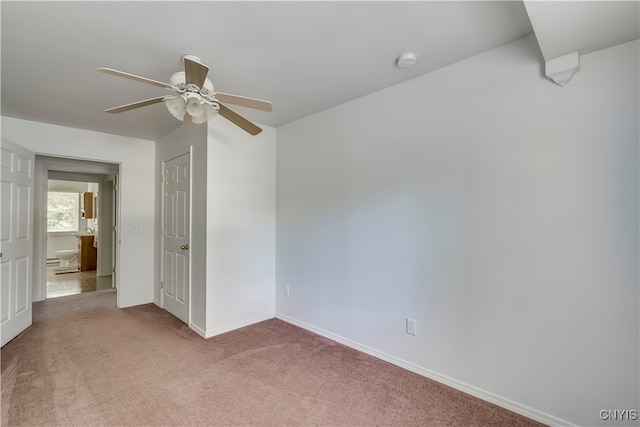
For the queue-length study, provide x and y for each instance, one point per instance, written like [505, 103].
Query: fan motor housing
[179, 78]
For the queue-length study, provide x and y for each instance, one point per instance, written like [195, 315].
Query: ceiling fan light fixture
[209, 112]
[193, 95]
[195, 103]
[177, 106]
[200, 109]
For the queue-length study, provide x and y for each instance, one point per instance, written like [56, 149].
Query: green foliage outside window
[62, 211]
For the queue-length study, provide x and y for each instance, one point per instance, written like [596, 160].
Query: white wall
[232, 223]
[104, 227]
[136, 159]
[497, 209]
[71, 186]
[183, 140]
[240, 229]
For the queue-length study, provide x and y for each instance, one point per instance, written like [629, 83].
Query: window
[62, 211]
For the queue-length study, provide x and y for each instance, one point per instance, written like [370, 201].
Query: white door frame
[115, 246]
[167, 158]
[43, 167]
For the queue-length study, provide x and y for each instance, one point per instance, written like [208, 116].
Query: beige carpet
[86, 363]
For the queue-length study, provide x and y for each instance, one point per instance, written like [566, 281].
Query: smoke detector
[406, 60]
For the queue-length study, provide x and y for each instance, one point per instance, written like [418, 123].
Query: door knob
[184, 247]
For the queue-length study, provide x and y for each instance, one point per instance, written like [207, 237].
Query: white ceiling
[563, 27]
[304, 57]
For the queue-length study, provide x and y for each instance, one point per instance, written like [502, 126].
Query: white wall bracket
[561, 69]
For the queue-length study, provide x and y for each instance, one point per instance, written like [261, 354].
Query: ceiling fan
[194, 101]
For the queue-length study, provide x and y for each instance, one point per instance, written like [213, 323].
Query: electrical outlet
[411, 326]
[286, 291]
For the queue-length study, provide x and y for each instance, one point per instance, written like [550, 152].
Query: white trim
[237, 325]
[561, 69]
[63, 233]
[195, 328]
[66, 168]
[163, 162]
[190, 153]
[443, 379]
[135, 302]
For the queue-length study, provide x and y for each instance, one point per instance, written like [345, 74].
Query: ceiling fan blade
[238, 120]
[195, 72]
[135, 105]
[243, 101]
[134, 77]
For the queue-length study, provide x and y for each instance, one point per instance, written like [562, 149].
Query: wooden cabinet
[87, 254]
[87, 205]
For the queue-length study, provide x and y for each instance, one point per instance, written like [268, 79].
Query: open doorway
[75, 262]
[75, 218]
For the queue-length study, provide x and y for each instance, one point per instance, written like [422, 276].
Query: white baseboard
[458, 385]
[195, 328]
[237, 325]
[135, 302]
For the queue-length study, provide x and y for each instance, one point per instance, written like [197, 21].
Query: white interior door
[114, 234]
[176, 219]
[16, 239]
